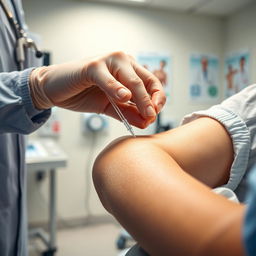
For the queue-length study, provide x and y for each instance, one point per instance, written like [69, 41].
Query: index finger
[130, 79]
[152, 85]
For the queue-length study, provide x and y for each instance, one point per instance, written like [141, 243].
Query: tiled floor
[96, 240]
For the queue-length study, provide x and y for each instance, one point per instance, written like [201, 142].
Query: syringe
[120, 114]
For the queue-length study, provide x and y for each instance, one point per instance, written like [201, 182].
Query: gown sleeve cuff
[239, 134]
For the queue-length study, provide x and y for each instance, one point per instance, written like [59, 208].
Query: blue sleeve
[249, 231]
[17, 112]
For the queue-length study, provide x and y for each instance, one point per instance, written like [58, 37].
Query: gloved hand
[82, 86]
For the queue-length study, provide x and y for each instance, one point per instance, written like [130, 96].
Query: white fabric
[238, 115]
[226, 192]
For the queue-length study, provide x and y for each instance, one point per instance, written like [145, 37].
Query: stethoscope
[23, 41]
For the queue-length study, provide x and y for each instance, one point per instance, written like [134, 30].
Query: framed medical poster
[204, 78]
[237, 75]
[160, 64]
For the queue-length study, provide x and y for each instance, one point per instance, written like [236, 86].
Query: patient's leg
[142, 182]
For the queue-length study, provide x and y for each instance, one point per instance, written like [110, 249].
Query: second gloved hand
[82, 86]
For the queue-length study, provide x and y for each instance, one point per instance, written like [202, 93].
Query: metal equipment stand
[46, 156]
[49, 240]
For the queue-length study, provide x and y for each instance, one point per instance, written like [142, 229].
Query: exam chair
[136, 250]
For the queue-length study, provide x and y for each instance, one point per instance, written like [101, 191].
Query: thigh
[202, 148]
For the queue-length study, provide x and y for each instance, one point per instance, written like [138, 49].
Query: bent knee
[108, 158]
[111, 160]
[113, 169]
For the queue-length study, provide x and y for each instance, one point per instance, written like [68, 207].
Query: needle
[120, 114]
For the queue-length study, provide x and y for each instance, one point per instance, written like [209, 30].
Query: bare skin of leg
[159, 188]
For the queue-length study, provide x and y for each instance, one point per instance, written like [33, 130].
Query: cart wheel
[120, 243]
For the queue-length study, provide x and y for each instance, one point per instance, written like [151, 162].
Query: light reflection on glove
[82, 85]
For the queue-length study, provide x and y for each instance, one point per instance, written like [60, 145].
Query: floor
[96, 240]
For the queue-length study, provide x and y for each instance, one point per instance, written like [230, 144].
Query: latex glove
[82, 86]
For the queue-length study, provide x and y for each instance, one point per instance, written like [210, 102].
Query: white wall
[240, 34]
[73, 29]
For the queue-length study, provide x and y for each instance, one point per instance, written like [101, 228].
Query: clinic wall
[240, 34]
[77, 29]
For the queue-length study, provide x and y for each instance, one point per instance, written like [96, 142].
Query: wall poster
[204, 78]
[237, 76]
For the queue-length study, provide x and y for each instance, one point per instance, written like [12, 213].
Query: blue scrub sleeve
[249, 231]
[17, 112]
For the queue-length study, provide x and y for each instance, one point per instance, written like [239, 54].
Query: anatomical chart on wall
[160, 64]
[237, 72]
[204, 78]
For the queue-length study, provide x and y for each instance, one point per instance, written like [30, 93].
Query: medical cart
[47, 156]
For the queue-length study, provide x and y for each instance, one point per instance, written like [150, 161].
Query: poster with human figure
[204, 78]
[237, 75]
[160, 64]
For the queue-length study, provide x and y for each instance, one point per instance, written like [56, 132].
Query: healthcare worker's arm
[17, 111]
[159, 188]
[82, 86]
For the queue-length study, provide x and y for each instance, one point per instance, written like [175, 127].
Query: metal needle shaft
[120, 114]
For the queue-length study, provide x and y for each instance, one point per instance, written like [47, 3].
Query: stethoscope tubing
[22, 40]
[13, 22]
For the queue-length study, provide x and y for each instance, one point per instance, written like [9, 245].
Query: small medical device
[23, 41]
[120, 114]
[93, 123]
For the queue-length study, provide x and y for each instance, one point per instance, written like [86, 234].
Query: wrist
[36, 83]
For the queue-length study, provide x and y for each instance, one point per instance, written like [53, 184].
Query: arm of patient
[158, 188]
